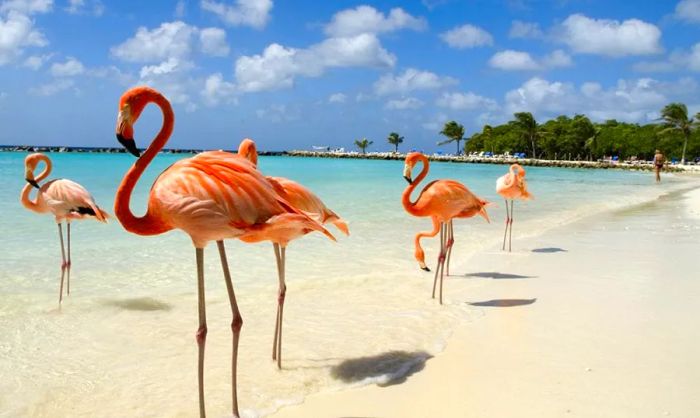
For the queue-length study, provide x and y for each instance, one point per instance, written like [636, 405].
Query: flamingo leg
[450, 242]
[278, 258]
[441, 256]
[68, 261]
[505, 232]
[280, 303]
[510, 233]
[236, 325]
[63, 263]
[202, 330]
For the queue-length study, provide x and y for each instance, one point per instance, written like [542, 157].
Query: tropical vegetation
[454, 133]
[363, 144]
[395, 139]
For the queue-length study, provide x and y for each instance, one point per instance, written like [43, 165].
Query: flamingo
[442, 200]
[65, 199]
[512, 186]
[305, 200]
[212, 196]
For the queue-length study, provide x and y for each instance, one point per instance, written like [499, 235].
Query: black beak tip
[129, 145]
[425, 268]
[408, 179]
[33, 183]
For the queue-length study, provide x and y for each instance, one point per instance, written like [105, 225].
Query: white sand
[607, 328]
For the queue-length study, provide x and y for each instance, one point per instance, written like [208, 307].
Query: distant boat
[320, 148]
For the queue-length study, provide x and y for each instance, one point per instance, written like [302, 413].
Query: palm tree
[394, 139]
[529, 128]
[675, 117]
[592, 143]
[363, 144]
[454, 133]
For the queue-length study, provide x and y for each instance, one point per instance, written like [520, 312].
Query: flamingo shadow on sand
[550, 250]
[390, 368]
[497, 275]
[144, 304]
[504, 303]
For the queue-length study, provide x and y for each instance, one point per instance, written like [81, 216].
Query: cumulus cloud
[278, 66]
[688, 10]
[609, 37]
[367, 19]
[253, 13]
[94, 7]
[465, 101]
[216, 90]
[525, 30]
[36, 61]
[403, 104]
[213, 42]
[677, 60]
[467, 36]
[71, 67]
[511, 60]
[26, 7]
[170, 39]
[410, 80]
[53, 87]
[17, 32]
[337, 98]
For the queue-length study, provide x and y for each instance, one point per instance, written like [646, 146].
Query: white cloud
[36, 61]
[467, 36]
[367, 19]
[53, 87]
[337, 98]
[513, 60]
[411, 80]
[537, 95]
[435, 123]
[16, 33]
[253, 13]
[403, 104]
[170, 39]
[166, 67]
[278, 66]
[213, 42]
[26, 6]
[180, 9]
[217, 90]
[688, 10]
[465, 101]
[609, 37]
[525, 30]
[95, 7]
[677, 60]
[70, 68]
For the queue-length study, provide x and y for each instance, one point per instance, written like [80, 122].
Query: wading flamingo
[305, 200]
[442, 200]
[211, 196]
[65, 199]
[512, 186]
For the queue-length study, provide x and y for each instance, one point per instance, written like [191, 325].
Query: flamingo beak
[407, 174]
[129, 145]
[32, 182]
[125, 131]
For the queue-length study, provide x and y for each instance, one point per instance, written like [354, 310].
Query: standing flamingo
[65, 199]
[512, 186]
[212, 196]
[442, 200]
[305, 200]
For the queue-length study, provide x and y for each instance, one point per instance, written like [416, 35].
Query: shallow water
[357, 311]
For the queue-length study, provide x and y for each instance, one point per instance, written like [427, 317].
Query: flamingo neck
[406, 197]
[25, 198]
[151, 223]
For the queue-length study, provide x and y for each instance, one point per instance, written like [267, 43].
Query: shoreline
[524, 357]
[465, 159]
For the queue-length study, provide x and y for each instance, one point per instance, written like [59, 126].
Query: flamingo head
[249, 151]
[131, 105]
[409, 163]
[30, 164]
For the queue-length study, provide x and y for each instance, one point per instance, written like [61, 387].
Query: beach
[592, 313]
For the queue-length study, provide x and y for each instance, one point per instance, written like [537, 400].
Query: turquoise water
[125, 336]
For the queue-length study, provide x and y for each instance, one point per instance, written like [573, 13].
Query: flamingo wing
[66, 198]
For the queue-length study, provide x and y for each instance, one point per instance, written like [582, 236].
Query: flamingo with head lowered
[211, 196]
[305, 200]
[66, 200]
[442, 201]
[512, 186]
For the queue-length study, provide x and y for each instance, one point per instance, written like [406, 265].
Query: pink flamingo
[442, 200]
[305, 200]
[65, 199]
[512, 186]
[212, 196]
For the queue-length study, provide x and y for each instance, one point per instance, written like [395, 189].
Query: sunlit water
[357, 311]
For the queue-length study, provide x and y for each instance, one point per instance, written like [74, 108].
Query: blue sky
[298, 73]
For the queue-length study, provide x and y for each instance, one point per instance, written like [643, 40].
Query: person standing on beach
[659, 161]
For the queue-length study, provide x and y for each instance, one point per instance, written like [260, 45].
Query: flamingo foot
[423, 266]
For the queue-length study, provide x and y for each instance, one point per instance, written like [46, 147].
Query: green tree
[675, 117]
[394, 139]
[363, 144]
[454, 133]
[528, 128]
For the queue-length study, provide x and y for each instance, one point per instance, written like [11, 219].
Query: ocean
[357, 311]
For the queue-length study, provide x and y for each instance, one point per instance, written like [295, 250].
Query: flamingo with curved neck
[65, 199]
[212, 196]
[512, 186]
[442, 201]
[305, 200]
